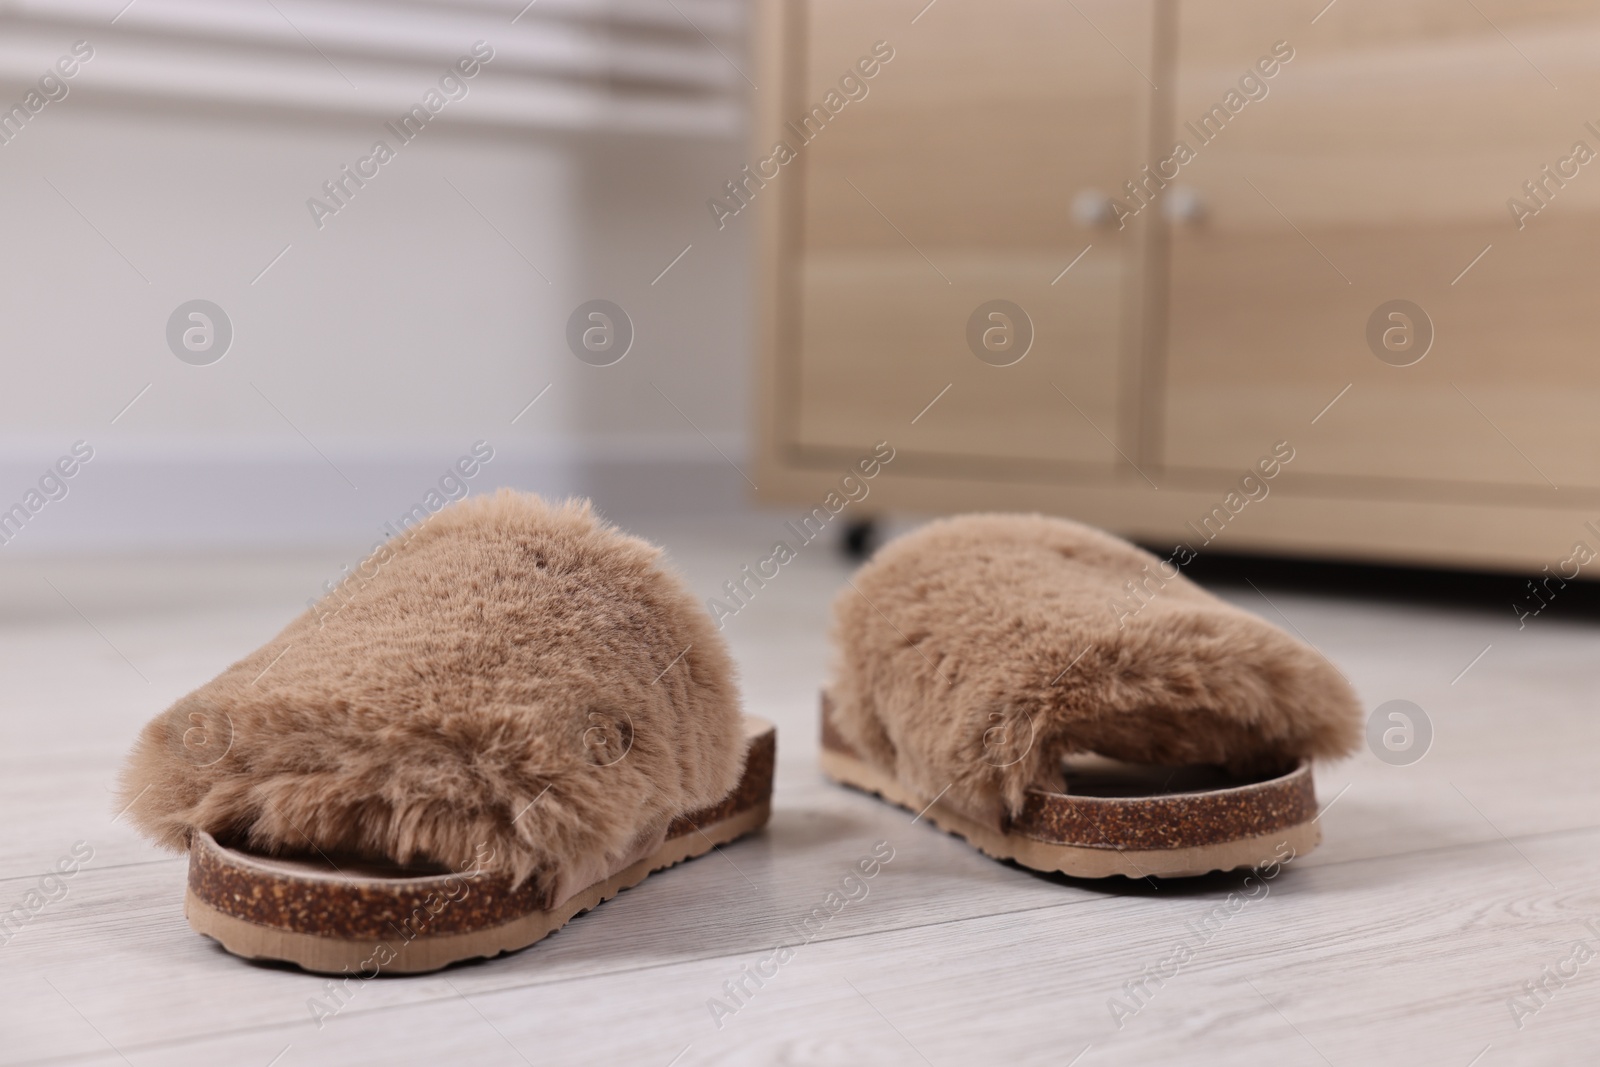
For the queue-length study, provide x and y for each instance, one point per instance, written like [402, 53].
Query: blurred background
[1100, 259]
[373, 347]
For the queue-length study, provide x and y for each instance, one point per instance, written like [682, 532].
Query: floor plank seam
[87, 869]
[556, 981]
[367, 1012]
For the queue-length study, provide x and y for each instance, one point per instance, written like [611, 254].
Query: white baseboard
[164, 499]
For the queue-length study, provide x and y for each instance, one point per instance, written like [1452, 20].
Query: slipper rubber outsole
[333, 917]
[1165, 833]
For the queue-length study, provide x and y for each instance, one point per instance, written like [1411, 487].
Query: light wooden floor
[1440, 890]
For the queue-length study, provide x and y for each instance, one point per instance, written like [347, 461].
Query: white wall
[390, 340]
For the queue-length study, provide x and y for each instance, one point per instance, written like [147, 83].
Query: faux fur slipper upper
[513, 688]
[977, 656]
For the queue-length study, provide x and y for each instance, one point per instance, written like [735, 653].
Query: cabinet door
[1378, 167]
[968, 173]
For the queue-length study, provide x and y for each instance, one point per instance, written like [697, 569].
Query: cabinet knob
[1091, 209]
[1183, 203]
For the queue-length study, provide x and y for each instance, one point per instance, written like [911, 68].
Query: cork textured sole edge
[1078, 861]
[332, 955]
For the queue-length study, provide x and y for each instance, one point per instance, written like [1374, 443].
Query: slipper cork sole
[366, 918]
[1120, 819]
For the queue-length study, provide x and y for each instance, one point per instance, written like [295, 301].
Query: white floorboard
[1440, 889]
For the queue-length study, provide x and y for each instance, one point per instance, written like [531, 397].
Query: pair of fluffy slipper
[516, 712]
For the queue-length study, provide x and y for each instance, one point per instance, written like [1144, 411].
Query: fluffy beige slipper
[1062, 699]
[504, 716]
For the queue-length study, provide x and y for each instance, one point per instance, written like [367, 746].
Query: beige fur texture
[508, 679]
[975, 653]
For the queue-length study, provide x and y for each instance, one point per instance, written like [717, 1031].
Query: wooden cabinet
[949, 182]
[1378, 167]
[1236, 293]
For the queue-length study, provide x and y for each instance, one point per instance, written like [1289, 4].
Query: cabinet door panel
[1378, 167]
[951, 184]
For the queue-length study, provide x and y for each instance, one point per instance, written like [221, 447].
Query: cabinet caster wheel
[859, 539]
